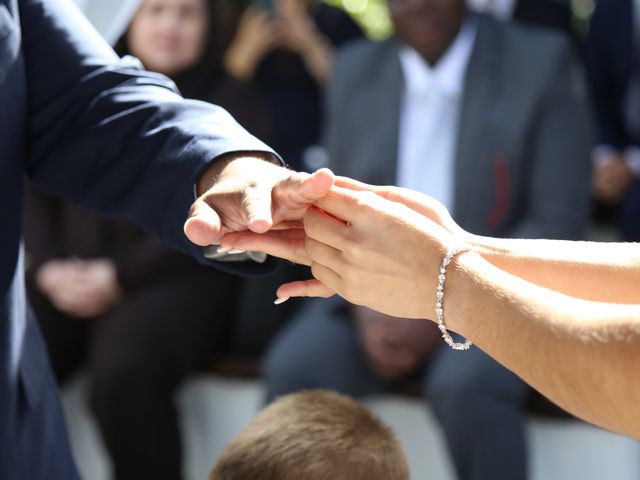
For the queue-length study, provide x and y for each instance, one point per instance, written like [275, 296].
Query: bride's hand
[290, 243]
[421, 203]
[372, 252]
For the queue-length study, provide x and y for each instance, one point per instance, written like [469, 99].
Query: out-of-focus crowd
[519, 124]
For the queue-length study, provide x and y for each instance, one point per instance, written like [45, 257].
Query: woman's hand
[289, 244]
[256, 36]
[297, 32]
[380, 247]
[372, 252]
[421, 203]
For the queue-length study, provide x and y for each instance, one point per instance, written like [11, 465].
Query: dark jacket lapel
[481, 88]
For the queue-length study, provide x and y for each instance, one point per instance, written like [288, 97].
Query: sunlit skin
[250, 193]
[565, 316]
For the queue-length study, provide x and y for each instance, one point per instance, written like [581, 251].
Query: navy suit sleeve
[105, 134]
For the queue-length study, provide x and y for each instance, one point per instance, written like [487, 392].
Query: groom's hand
[249, 192]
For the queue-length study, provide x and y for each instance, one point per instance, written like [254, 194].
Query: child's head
[314, 435]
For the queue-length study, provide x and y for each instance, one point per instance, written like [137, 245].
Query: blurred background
[161, 361]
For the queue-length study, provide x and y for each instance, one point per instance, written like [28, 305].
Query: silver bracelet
[440, 296]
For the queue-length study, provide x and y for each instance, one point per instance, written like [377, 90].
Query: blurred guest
[287, 53]
[314, 435]
[140, 315]
[613, 61]
[475, 113]
[282, 50]
[186, 40]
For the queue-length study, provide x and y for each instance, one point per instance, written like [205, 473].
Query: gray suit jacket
[522, 157]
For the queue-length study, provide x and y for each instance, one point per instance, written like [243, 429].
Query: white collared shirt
[502, 9]
[429, 117]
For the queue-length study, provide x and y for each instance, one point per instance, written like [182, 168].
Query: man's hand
[394, 346]
[249, 193]
[80, 288]
[612, 177]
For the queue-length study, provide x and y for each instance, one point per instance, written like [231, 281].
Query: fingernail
[235, 252]
[257, 218]
[281, 300]
[223, 250]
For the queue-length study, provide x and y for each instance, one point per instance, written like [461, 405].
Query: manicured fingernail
[257, 218]
[281, 300]
[223, 250]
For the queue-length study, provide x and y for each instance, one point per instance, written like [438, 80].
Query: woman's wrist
[461, 284]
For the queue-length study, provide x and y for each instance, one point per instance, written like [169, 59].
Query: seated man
[490, 119]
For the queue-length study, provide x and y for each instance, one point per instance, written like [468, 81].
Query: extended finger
[304, 288]
[287, 244]
[325, 255]
[327, 277]
[351, 184]
[349, 205]
[325, 229]
[301, 189]
[203, 225]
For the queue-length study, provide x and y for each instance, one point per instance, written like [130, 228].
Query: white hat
[109, 17]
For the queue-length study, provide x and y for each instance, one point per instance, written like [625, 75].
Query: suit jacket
[522, 165]
[99, 132]
[550, 13]
[610, 64]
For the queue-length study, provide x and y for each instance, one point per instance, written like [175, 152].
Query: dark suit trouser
[478, 403]
[137, 356]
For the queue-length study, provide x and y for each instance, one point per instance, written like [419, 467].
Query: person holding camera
[286, 48]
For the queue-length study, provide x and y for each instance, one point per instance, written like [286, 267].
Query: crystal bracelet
[440, 298]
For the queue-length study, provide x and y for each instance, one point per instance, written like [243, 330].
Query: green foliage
[372, 15]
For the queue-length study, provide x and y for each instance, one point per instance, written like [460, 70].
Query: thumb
[203, 225]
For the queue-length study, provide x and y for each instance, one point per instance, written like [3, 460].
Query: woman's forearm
[582, 355]
[601, 272]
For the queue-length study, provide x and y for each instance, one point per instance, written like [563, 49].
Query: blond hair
[313, 435]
